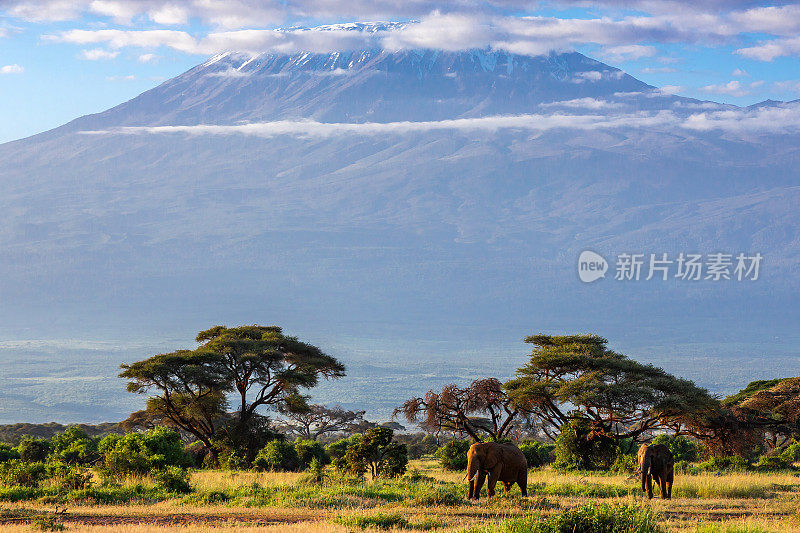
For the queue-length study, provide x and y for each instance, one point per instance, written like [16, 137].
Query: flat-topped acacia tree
[577, 376]
[258, 365]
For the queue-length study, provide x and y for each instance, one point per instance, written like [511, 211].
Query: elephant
[656, 463]
[501, 462]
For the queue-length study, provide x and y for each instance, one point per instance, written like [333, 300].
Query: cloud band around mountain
[783, 119]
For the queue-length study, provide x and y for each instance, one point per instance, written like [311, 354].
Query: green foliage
[579, 448]
[751, 389]
[453, 455]
[140, 453]
[7, 453]
[372, 452]
[68, 477]
[682, 448]
[607, 389]
[732, 463]
[279, 456]
[730, 528]
[310, 450]
[792, 452]
[537, 454]
[16, 473]
[771, 464]
[592, 518]
[624, 464]
[73, 446]
[377, 521]
[33, 450]
[173, 478]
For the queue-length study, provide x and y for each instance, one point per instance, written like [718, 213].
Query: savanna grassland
[426, 498]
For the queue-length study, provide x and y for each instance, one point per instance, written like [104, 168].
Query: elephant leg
[494, 476]
[522, 481]
[670, 479]
[649, 487]
[479, 485]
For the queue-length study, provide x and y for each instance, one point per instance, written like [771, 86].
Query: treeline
[13, 433]
[597, 406]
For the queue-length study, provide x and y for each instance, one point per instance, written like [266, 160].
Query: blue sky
[61, 59]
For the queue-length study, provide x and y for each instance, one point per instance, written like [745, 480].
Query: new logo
[591, 266]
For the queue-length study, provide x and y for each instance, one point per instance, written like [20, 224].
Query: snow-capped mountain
[398, 207]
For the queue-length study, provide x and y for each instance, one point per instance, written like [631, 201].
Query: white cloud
[670, 89]
[584, 103]
[628, 52]
[12, 69]
[769, 50]
[732, 88]
[739, 73]
[657, 70]
[129, 77]
[780, 119]
[98, 53]
[148, 58]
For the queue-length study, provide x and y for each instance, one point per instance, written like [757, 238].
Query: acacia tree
[318, 420]
[480, 410]
[578, 377]
[259, 365]
[764, 413]
[191, 389]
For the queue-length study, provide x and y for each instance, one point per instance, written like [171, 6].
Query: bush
[592, 518]
[578, 448]
[536, 453]
[309, 450]
[69, 477]
[792, 452]
[33, 450]
[173, 479]
[16, 473]
[74, 446]
[769, 464]
[376, 521]
[278, 456]
[7, 453]
[140, 453]
[682, 448]
[732, 463]
[372, 452]
[453, 455]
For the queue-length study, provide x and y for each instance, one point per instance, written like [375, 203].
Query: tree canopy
[481, 410]
[577, 376]
[257, 365]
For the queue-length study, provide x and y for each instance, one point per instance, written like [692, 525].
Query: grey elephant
[657, 464]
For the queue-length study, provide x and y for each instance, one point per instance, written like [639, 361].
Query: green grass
[334, 495]
[592, 518]
[731, 528]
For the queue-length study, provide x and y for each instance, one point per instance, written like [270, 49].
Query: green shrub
[537, 454]
[33, 450]
[682, 448]
[792, 452]
[376, 521]
[68, 477]
[173, 479]
[453, 455]
[7, 453]
[310, 450]
[16, 473]
[769, 464]
[372, 452]
[140, 453]
[624, 464]
[592, 518]
[278, 456]
[73, 446]
[579, 448]
[732, 463]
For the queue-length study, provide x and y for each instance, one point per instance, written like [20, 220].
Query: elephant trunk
[645, 472]
[473, 473]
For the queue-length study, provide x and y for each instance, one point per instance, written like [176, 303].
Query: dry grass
[731, 503]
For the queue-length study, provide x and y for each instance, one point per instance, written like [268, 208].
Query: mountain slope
[431, 247]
